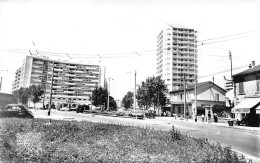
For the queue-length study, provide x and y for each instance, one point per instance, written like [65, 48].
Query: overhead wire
[229, 36]
[203, 43]
[97, 56]
[119, 55]
[223, 71]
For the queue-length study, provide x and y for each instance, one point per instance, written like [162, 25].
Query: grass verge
[37, 140]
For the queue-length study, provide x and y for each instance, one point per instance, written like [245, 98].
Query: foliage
[219, 109]
[112, 103]
[143, 97]
[99, 96]
[35, 93]
[152, 93]
[37, 140]
[21, 95]
[128, 100]
[200, 110]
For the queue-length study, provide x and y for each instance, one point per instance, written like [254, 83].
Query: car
[15, 110]
[64, 109]
[150, 114]
[81, 108]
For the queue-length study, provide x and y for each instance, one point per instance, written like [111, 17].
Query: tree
[99, 96]
[152, 93]
[143, 97]
[128, 100]
[35, 93]
[21, 95]
[112, 103]
[220, 109]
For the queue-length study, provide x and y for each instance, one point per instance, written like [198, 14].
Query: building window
[216, 97]
[241, 88]
[179, 109]
[181, 96]
[258, 83]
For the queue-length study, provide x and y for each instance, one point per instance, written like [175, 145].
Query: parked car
[150, 114]
[64, 109]
[81, 108]
[139, 114]
[15, 110]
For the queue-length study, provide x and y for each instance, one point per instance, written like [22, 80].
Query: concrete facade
[177, 56]
[72, 82]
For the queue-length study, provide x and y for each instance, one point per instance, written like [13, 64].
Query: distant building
[247, 84]
[177, 56]
[72, 82]
[208, 93]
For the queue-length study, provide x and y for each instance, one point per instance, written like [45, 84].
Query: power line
[220, 72]
[202, 43]
[228, 36]
[106, 57]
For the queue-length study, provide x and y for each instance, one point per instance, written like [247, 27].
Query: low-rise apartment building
[247, 93]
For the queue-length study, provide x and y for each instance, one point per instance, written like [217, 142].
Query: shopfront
[248, 108]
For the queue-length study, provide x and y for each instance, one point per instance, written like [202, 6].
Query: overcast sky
[121, 35]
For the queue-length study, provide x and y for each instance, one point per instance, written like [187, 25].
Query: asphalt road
[247, 142]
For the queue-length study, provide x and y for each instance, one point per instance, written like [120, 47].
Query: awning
[245, 105]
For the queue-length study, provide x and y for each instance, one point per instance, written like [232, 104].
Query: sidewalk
[236, 127]
[219, 124]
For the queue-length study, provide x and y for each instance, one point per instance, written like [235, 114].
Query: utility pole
[184, 110]
[1, 83]
[195, 111]
[135, 92]
[49, 111]
[108, 92]
[233, 82]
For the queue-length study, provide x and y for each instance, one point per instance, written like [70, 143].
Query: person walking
[202, 117]
[215, 117]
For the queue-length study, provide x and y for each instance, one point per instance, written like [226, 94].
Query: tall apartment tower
[177, 56]
[72, 82]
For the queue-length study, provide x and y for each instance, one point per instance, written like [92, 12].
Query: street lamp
[134, 90]
[108, 91]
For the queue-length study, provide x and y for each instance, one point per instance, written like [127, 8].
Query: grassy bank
[25, 140]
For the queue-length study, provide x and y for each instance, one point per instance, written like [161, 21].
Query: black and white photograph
[127, 81]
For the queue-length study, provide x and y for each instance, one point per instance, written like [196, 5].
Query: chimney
[253, 63]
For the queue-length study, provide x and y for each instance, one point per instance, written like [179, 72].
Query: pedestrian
[215, 117]
[202, 117]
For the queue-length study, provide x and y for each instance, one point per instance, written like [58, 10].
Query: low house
[208, 93]
[247, 92]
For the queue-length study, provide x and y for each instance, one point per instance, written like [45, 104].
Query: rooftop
[252, 70]
[192, 86]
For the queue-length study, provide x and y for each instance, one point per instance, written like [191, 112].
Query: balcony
[71, 75]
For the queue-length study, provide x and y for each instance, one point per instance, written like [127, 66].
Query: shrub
[37, 140]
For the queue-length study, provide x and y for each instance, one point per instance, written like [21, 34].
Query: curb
[236, 127]
[249, 158]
